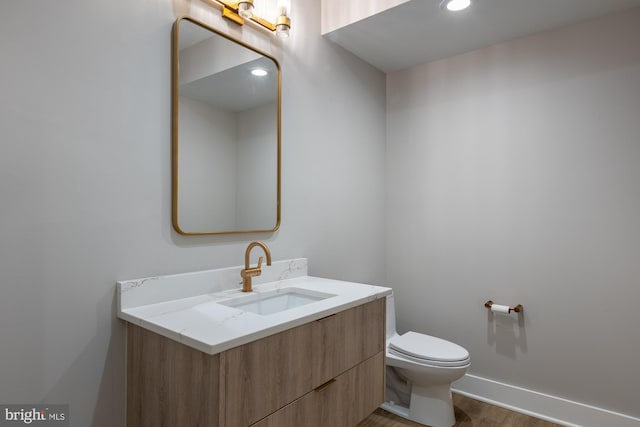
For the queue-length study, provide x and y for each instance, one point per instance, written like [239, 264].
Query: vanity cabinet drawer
[355, 394]
[347, 338]
[265, 375]
[342, 402]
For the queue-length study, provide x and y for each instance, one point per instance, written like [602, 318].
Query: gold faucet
[248, 272]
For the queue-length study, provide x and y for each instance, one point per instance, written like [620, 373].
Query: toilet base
[430, 405]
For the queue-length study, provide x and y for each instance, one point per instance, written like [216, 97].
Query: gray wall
[256, 168]
[208, 157]
[513, 175]
[85, 182]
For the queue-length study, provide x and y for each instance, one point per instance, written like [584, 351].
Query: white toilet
[420, 370]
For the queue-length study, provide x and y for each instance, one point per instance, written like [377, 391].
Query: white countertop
[199, 321]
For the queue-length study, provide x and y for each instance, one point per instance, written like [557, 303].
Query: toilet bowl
[420, 370]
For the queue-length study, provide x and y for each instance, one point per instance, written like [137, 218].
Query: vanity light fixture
[455, 5]
[240, 10]
[245, 8]
[283, 22]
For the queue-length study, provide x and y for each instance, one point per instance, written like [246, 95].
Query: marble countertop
[199, 320]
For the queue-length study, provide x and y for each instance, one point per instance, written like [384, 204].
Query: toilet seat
[428, 350]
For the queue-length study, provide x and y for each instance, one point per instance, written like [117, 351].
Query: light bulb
[284, 7]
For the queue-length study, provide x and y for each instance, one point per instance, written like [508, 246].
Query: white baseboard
[540, 405]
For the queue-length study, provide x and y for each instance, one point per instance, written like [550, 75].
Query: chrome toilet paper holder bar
[518, 308]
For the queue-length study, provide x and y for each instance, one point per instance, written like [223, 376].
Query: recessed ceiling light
[455, 5]
[259, 72]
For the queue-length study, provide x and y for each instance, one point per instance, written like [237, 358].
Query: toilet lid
[427, 348]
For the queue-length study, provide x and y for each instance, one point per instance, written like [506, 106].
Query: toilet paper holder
[518, 308]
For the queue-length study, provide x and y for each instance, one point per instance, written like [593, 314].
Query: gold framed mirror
[226, 112]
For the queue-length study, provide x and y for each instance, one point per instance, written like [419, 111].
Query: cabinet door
[265, 375]
[347, 338]
[341, 402]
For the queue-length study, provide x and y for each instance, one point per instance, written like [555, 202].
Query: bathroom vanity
[298, 351]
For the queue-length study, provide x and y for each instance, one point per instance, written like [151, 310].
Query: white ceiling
[235, 89]
[420, 31]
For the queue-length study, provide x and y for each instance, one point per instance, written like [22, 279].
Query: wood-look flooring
[469, 413]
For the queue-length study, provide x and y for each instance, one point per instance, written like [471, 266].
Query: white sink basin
[276, 301]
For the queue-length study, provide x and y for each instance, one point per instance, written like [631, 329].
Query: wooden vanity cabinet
[328, 372]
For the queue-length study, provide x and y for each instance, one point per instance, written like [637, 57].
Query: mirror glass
[226, 133]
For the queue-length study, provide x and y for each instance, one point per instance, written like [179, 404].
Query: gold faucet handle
[260, 262]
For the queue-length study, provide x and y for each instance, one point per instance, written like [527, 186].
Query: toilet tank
[391, 317]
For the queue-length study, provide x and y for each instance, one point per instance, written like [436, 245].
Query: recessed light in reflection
[456, 5]
[259, 72]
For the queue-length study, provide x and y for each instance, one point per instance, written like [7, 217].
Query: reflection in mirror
[226, 134]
